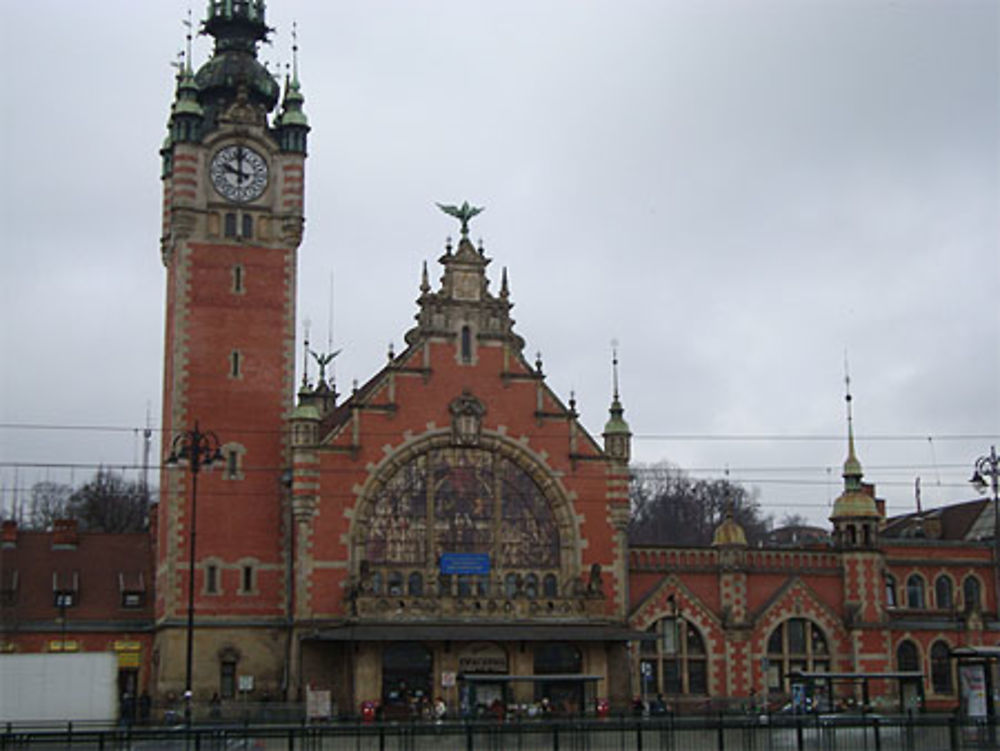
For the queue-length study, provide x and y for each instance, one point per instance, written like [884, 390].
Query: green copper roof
[306, 412]
[616, 424]
[292, 113]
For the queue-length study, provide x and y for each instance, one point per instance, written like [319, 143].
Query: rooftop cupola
[233, 70]
[463, 307]
[617, 434]
[855, 515]
[729, 533]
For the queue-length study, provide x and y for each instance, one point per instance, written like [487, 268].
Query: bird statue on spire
[463, 213]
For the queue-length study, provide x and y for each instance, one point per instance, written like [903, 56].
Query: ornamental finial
[463, 213]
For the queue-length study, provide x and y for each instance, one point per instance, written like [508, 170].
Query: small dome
[729, 533]
[616, 424]
[854, 504]
[306, 412]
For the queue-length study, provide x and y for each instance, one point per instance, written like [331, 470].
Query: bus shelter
[559, 694]
[977, 679]
[820, 688]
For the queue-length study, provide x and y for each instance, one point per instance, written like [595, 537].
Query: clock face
[239, 173]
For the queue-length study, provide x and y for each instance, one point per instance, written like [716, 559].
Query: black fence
[717, 733]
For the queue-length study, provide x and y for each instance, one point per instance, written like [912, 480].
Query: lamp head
[978, 481]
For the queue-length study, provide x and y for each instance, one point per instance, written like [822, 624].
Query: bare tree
[671, 508]
[49, 501]
[110, 503]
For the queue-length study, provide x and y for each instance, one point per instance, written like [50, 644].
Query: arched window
[970, 592]
[907, 656]
[943, 593]
[394, 584]
[550, 586]
[238, 279]
[247, 226]
[941, 668]
[915, 591]
[230, 222]
[466, 344]
[510, 585]
[675, 661]
[531, 586]
[890, 591]
[795, 644]
[416, 584]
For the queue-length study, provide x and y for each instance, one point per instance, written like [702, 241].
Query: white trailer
[80, 686]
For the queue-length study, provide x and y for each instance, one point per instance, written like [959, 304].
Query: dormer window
[132, 589]
[65, 590]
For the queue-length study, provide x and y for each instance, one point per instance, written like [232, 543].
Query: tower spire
[617, 434]
[852, 467]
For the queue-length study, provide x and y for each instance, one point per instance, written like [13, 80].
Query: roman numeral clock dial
[239, 173]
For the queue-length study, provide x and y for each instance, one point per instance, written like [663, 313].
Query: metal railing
[683, 733]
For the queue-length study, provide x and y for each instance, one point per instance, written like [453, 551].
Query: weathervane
[463, 213]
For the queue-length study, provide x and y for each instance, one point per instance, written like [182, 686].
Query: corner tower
[233, 176]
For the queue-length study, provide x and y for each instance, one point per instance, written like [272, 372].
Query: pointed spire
[504, 289]
[425, 284]
[616, 424]
[292, 122]
[305, 358]
[852, 467]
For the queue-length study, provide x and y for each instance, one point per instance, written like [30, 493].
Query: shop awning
[477, 632]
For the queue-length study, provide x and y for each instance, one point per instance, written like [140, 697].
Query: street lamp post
[984, 477]
[199, 450]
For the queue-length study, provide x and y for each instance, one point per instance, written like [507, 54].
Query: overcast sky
[738, 192]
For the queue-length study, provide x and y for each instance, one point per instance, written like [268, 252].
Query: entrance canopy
[551, 678]
[476, 632]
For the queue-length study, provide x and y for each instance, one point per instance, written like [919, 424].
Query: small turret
[729, 533]
[617, 434]
[855, 515]
[187, 114]
[292, 124]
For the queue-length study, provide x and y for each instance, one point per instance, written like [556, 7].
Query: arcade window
[970, 593]
[796, 644]
[890, 590]
[915, 591]
[675, 662]
[416, 584]
[247, 226]
[941, 668]
[230, 225]
[907, 656]
[943, 593]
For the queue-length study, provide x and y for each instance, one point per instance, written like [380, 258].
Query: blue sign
[465, 563]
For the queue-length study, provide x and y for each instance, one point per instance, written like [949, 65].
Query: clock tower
[233, 176]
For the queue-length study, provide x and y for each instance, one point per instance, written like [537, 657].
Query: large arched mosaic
[434, 497]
